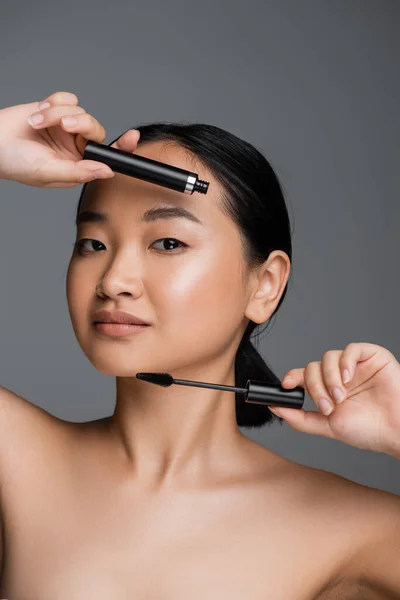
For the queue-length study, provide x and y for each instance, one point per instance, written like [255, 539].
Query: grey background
[312, 84]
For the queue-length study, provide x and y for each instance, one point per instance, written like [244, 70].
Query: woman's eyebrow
[153, 214]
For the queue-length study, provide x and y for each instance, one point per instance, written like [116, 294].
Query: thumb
[310, 421]
[70, 171]
[128, 141]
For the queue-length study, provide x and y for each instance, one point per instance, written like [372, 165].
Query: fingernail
[69, 121]
[43, 105]
[103, 173]
[346, 376]
[35, 119]
[338, 394]
[325, 406]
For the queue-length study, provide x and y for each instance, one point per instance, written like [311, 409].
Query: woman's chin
[120, 368]
[117, 371]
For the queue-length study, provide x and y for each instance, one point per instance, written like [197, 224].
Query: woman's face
[191, 289]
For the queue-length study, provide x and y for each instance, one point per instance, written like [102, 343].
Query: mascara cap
[144, 168]
[273, 394]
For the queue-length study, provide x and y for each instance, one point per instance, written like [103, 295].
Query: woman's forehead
[170, 152]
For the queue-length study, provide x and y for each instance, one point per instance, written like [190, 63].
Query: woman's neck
[176, 434]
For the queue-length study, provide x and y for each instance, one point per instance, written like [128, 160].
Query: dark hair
[253, 198]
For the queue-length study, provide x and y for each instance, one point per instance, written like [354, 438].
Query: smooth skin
[166, 498]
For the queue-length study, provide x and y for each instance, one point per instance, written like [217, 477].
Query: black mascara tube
[144, 168]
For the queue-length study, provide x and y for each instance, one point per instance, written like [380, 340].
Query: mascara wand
[256, 392]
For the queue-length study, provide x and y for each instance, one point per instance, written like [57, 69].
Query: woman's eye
[79, 245]
[171, 240]
[81, 250]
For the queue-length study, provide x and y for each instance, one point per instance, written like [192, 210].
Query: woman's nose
[114, 284]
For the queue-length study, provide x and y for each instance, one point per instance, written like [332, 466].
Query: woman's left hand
[369, 415]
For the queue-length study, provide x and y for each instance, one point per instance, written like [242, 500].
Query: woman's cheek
[204, 296]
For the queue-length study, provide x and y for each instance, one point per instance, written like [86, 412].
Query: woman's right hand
[50, 154]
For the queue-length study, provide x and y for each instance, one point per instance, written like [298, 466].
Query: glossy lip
[117, 316]
[118, 329]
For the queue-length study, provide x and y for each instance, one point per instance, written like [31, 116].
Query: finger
[311, 380]
[128, 141]
[288, 380]
[64, 98]
[86, 128]
[51, 116]
[354, 353]
[316, 388]
[70, 171]
[310, 421]
[332, 376]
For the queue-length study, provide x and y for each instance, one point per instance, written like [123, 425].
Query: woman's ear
[267, 283]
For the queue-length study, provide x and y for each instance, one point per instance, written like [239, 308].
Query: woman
[166, 498]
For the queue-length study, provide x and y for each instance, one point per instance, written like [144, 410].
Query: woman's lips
[118, 329]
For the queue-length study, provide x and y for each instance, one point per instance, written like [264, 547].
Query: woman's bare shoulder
[335, 492]
[23, 424]
[14, 406]
[358, 515]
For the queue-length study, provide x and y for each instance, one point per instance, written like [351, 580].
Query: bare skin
[77, 525]
[166, 498]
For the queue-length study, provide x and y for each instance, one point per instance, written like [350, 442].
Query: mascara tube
[144, 168]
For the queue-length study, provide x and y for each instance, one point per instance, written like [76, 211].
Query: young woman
[166, 498]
